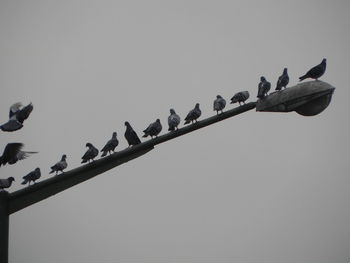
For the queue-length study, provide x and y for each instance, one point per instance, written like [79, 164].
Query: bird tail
[303, 77]
[187, 121]
[104, 154]
[171, 129]
[52, 171]
[145, 135]
[84, 161]
[25, 181]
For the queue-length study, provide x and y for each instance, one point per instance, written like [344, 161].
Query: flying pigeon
[173, 120]
[153, 129]
[219, 104]
[193, 115]
[130, 135]
[60, 166]
[16, 117]
[283, 80]
[6, 183]
[239, 97]
[110, 145]
[90, 154]
[13, 152]
[316, 72]
[264, 87]
[32, 176]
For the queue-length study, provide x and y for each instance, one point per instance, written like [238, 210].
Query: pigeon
[153, 129]
[283, 80]
[219, 104]
[130, 135]
[16, 117]
[32, 176]
[59, 166]
[110, 145]
[6, 183]
[264, 87]
[90, 154]
[193, 115]
[173, 120]
[316, 72]
[239, 97]
[13, 153]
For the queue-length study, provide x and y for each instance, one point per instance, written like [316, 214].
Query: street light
[308, 99]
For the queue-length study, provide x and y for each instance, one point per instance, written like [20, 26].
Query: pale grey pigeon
[283, 80]
[16, 117]
[173, 120]
[264, 87]
[59, 166]
[90, 154]
[239, 97]
[32, 176]
[131, 135]
[316, 72]
[6, 183]
[13, 153]
[153, 129]
[193, 115]
[219, 104]
[110, 145]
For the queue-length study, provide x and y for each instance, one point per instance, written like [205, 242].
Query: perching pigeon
[16, 117]
[130, 135]
[239, 97]
[173, 120]
[110, 145]
[13, 152]
[32, 176]
[283, 80]
[59, 166]
[90, 154]
[153, 129]
[264, 87]
[316, 71]
[6, 183]
[219, 104]
[193, 115]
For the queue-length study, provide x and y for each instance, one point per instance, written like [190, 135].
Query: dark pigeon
[264, 87]
[110, 145]
[6, 183]
[239, 97]
[283, 80]
[16, 117]
[219, 104]
[90, 154]
[13, 153]
[153, 129]
[59, 166]
[32, 176]
[173, 120]
[130, 135]
[316, 72]
[193, 115]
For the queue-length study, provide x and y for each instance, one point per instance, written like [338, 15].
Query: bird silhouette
[13, 153]
[283, 80]
[110, 145]
[32, 176]
[316, 72]
[130, 135]
[219, 104]
[193, 115]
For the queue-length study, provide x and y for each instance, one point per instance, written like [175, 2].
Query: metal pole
[4, 227]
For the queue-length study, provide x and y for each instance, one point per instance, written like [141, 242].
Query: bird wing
[14, 108]
[24, 113]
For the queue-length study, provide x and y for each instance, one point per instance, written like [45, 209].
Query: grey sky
[261, 187]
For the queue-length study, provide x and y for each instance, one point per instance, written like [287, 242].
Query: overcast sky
[260, 187]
